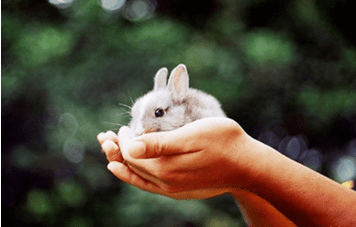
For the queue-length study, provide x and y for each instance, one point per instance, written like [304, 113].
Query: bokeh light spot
[263, 46]
[68, 125]
[139, 9]
[344, 169]
[38, 45]
[313, 159]
[72, 193]
[270, 138]
[38, 202]
[293, 148]
[112, 5]
[23, 157]
[61, 3]
[74, 150]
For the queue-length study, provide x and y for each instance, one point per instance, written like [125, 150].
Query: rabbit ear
[160, 79]
[178, 82]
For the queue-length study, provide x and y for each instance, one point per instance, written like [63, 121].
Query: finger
[146, 172]
[109, 135]
[125, 174]
[192, 137]
[125, 135]
[112, 151]
[101, 137]
[158, 144]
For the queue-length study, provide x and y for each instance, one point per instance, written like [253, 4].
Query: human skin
[213, 156]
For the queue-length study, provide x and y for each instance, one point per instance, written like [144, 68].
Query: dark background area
[283, 69]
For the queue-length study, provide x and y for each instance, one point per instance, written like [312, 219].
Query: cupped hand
[196, 161]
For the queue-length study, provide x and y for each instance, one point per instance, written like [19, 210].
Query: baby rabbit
[168, 107]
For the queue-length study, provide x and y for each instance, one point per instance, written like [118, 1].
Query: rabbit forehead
[153, 100]
[157, 99]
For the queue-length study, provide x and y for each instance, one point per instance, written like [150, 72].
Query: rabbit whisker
[125, 105]
[126, 112]
[132, 102]
[110, 123]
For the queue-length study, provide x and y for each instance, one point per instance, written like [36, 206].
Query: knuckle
[159, 147]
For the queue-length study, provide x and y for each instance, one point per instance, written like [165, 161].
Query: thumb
[192, 137]
[154, 145]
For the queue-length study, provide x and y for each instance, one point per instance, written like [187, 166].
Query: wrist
[250, 159]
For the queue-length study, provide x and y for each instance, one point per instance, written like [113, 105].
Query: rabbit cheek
[174, 118]
[137, 128]
[151, 125]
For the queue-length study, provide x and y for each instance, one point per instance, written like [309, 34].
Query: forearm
[258, 212]
[304, 196]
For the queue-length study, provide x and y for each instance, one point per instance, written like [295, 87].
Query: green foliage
[222, 220]
[39, 203]
[22, 157]
[307, 12]
[72, 194]
[147, 206]
[350, 58]
[10, 27]
[13, 80]
[266, 47]
[329, 104]
[38, 44]
[79, 222]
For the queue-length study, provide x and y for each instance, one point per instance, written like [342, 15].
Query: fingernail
[110, 166]
[137, 149]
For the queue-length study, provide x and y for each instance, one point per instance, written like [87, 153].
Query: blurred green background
[284, 69]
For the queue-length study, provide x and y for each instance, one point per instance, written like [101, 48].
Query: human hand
[197, 160]
[110, 146]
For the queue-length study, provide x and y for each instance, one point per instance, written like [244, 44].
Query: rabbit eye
[159, 112]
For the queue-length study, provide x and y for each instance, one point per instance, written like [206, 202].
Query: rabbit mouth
[149, 130]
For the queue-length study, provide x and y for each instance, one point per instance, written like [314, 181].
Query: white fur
[181, 104]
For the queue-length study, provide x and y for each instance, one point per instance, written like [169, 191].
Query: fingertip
[123, 129]
[112, 166]
[110, 135]
[101, 137]
[118, 169]
[109, 146]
